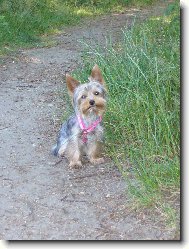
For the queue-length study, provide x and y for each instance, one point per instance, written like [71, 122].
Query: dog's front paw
[74, 164]
[97, 160]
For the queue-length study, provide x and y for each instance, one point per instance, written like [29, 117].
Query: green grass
[27, 23]
[142, 121]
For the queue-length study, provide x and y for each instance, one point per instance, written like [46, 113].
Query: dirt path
[40, 197]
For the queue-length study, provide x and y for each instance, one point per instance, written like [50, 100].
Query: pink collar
[87, 129]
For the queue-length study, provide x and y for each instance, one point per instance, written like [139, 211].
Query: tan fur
[73, 154]
[97, 75]
[71, 84]
[74, 146]
[99, 108]
[95, 153]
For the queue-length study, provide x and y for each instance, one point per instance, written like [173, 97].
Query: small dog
[82, 133]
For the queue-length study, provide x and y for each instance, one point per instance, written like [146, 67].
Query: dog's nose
[91, 102]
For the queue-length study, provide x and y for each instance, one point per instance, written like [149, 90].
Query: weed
[142, 119]
[23, 22]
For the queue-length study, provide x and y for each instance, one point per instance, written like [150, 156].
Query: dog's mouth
[91, 107]
[97, 108]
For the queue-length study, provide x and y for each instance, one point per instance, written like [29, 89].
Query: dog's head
[88, 98]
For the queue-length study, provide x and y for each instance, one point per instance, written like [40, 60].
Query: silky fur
[70, 143]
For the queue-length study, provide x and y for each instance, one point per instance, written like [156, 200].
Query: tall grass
[23, 22]
[142, 119]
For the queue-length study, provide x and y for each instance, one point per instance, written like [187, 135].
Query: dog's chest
[94, 136]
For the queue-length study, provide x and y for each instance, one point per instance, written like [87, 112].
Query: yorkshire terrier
[82, 133]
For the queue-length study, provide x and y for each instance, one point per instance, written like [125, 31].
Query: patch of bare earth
[40, 197]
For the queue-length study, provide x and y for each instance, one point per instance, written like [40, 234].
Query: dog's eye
[96, 93]
[83, 96]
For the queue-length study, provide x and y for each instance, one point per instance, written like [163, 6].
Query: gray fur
[70, 135]
[65, 133]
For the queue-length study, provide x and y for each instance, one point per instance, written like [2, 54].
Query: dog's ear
[97, 75]
[71, 84]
